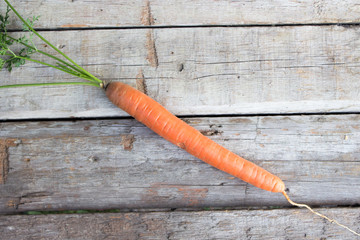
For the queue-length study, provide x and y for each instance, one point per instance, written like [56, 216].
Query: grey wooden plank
[199, 71]
[124, 13]
[121, 164]
[230, 224]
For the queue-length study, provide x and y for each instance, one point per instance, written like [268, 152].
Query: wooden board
[134, 13]
[199, 59]
[230, 224]
[109, 164]
[196, 71]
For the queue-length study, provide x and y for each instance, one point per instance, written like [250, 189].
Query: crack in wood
[27, 199]
[4, 163]
[140, 82]
[4, 157]
[257, 130]
[148, 20]
[37, 194]
[146, 15]
[152, 56]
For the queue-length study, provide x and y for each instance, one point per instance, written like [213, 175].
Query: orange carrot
[157, 118]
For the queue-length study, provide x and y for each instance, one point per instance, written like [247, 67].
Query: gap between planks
[345, 25]
[73, 119]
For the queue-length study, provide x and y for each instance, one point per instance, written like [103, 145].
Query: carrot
[161, 121]
[157, 118]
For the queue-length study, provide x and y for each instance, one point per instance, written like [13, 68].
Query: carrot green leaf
[11, 55]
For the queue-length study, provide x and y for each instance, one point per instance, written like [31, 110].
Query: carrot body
[161, 121]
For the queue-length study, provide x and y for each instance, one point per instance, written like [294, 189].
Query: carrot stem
[53, 57]
[69, 71]
[317, 213]
[48, 43]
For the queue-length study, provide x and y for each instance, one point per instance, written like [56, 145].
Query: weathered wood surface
[199, 71]
[231, 224]
[303, 65]
[111, 164]
[125, 13]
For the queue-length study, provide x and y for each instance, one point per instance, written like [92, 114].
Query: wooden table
[277, 82]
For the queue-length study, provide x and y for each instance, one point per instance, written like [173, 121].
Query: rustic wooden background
[275, 81]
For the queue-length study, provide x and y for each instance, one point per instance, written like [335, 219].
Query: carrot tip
[317, 213]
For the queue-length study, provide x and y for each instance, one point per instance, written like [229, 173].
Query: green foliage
[14, 52]
[29, 39]
[9, 59]
[4, 19]
[30, 23]
[4, 41]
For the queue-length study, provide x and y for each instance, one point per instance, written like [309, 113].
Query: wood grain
[134, 13]
[196, 57]
[4, 156]
[4, 162]
[121, 164]
[199, 71]
[230, 224]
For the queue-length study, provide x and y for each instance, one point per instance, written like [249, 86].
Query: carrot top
[9, 58]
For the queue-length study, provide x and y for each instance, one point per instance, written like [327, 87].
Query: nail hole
[181, 67]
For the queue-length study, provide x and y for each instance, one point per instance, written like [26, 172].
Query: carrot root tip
[317, 213]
